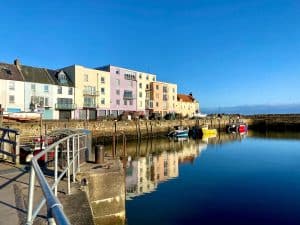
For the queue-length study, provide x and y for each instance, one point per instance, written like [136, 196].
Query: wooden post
[113, 145]
[124, 145]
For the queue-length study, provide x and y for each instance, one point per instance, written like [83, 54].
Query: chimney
[191, 94]
[17, 63]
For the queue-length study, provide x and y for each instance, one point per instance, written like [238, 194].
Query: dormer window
[62, 78]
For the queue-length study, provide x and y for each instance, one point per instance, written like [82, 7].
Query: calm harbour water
[229, 180]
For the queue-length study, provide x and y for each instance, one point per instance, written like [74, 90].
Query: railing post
[30, 196]
[78, 155]
[73, 157]
[68, 164]
[51, 220]
[55, 168]
[17, 152]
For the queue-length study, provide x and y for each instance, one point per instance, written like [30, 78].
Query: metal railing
[91, 92]
[89, 105]
[10, 144]
[66, 106]
[71, 146]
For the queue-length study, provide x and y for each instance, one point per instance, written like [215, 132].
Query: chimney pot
[17, 62]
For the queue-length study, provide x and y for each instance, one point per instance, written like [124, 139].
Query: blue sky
[227, 53]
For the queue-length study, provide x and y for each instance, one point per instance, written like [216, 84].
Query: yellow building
[161, 98]
[92, 91]
[143, 84]
[187, 105]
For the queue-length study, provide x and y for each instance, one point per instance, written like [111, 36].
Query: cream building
[187, 105]
[92, 91]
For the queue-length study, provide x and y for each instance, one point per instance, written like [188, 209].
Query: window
[11, 99]
[131, 83]
[141, 94]
[33, 87]
[165, 98]
[141, 85]
[46, 88]
[140, 76]
[70, 91]
[89, 90]
[147, 86]
[130, 102]
[102, 101]
[151, 104]
[165, 89]
[157, 104]
[147, 77]
[153, 78]
[11, 85]
[125, 102]
[118, 102]
[157, 87]
[128, 94]
[173, 98]
[64, 101]
[173, 90]
[141, 103]
[59, 90]
[128, 76]
[164, 105]
[62, 77]
[86, 77]
[118, 82]
[117, 71]
[89, 102]
[46, 101]
[117, 92]
[156, 95]
[102, 91]
[102, 80]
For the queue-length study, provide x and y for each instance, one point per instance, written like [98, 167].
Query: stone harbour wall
[102, 129]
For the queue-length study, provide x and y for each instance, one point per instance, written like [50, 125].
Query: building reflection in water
[156, 161]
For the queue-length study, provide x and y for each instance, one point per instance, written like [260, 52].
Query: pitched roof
[55, 76]
[36, 75]
[185, 98]
[10, 72]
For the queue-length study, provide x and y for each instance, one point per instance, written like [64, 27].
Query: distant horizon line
[254, 105]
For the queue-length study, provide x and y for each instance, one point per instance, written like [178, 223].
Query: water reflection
[233, 180]
[144, 172]
[222, 138]
[275, 135]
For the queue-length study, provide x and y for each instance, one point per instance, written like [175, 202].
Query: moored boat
[237, 127]
[179, 133]
[207, 131]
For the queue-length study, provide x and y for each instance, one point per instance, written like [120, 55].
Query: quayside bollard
[99, 154]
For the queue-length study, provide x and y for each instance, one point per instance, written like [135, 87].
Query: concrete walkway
[14, 183]
[13, 180]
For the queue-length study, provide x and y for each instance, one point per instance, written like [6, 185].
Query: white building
[11, 88]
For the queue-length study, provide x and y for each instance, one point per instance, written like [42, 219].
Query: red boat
[237, 127]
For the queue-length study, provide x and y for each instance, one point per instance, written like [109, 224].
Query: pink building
[122, 89]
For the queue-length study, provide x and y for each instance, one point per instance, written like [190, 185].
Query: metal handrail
[54, 207]
[15, 144]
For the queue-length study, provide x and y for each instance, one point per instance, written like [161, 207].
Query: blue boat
[179, 133]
